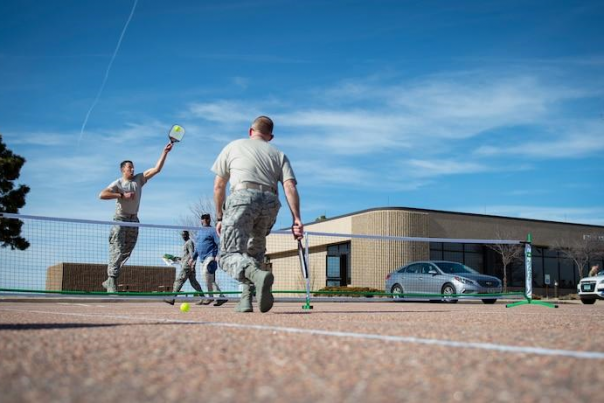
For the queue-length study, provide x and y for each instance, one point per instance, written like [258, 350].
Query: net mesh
[71, 256]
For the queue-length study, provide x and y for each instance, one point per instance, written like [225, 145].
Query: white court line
[78, 304]
[349, 335]
[557, 313]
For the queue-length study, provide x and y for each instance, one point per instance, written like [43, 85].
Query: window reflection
[546, 264]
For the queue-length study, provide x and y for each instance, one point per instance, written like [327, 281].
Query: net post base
[529, 301]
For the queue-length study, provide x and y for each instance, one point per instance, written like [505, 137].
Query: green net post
[528, 263]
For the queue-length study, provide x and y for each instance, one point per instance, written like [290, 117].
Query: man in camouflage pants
[187, 269]
[254, 168]
[127, 191]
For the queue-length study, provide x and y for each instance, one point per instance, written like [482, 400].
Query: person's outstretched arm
[151, 172]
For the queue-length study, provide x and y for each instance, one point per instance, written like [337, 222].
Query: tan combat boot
[263, 281]
[245, 303]
[109, 284]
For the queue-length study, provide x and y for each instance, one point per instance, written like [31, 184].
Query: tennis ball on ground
[184, 307]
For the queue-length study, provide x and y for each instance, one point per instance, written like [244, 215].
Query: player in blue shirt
[207, 244]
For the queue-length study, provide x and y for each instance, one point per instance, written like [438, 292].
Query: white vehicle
[591, 288]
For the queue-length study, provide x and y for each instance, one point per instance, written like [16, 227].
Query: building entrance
[338, 265]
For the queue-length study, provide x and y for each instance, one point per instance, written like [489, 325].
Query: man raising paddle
[254, 168]
[127, 190]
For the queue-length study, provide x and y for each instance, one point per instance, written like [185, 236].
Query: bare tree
[204, 205]
[509, 253]
[581, 252]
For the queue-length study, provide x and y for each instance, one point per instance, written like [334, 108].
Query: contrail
[98, 95]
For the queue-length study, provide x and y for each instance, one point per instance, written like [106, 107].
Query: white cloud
[133, 133]
[346, 132]
[241, 82]
[322, 172]
[583, 139]
[129, 133]
[415, 115]
[67, 170]
[358, 135]
[427, 168]
[46, 139]
[225, 112]
[581, 215]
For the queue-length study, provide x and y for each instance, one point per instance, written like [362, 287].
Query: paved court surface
[96, 350]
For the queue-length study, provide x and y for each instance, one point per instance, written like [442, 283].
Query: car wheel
[489, 301]
[397, 289]
[447, 291]
[588, 301]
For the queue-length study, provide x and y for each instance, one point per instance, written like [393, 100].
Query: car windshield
[454, 268]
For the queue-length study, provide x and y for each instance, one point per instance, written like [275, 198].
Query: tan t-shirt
[128, 206]
[257, 161]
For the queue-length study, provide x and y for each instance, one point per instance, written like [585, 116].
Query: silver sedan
[442, 279]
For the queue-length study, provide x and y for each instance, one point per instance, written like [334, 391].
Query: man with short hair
[253, 167]
[127, 191]
[187, 269]
[206, 248]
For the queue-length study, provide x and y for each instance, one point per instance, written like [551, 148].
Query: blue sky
[490, 107]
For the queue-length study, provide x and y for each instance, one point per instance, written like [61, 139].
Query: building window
[475, 261]
[472, 255]
[338, 265]
[537, 268]
[516, 274]
[436, 254]
[550, 270]
[549, 266]
[453, 256]
[333, 267]
[567, 274]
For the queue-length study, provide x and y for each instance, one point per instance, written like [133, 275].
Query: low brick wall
[89, 276]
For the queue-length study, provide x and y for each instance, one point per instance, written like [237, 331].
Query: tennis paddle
[170, 260]
[176, 134]
[304, 266]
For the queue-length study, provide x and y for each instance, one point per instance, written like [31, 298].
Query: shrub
[568, 297]
[348, 292]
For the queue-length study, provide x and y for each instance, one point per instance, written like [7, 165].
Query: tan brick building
[349, 261]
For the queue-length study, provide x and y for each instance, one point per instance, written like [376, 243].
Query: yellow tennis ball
[184, 307]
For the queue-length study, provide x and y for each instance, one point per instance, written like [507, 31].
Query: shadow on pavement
[42, 326]
[347, 312]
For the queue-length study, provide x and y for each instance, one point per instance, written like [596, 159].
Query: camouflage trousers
[186, 273]
[247, 219]
[122, 241]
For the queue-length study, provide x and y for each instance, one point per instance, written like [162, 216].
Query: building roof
[419, 210]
